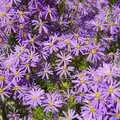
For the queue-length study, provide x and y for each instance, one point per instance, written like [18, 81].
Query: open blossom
[34, 97]
[70, 115]
[91, 113]
[50, 13]
[3, 92]
[95, 53]
[53, 102]
[22, 15]
[46, 71]
[14, 116]
[51, 45]
[42, 27]
[112, 90]
[64, 71]
[63, 58]
[109, 70]
[81, 81]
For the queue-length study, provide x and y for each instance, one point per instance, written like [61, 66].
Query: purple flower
[50, 13]
[112, 90]
[17, 73]
[34, 97]
[4, 92]
[81, 81]
[77, 47]
[64, 71]
[89, 112]
[22, 16]
[63, 58]
[53, 102]
[70, 115]
[51, 45]
[14, 116]
[46, 71]
[95, 53]
[40, 25]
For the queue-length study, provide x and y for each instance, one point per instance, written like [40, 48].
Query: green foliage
[80, 62]
[71, 102]
[61, 7]
[113, 1]
[65, 84]
[39, 114]
[12, 40]
[47, 85]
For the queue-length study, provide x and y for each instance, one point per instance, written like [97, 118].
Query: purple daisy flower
[63, 58]
[64, 71]
[46, 71]
[40, 25]
[50, 13]
[70, 115]
[14, 116]
[51, 45]
[52, 102]
[95, 53]
[34, 97]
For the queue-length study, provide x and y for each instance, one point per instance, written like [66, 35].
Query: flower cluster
[60, 57]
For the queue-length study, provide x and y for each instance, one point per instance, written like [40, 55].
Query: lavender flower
[52, 102]
[70, 115]
[34, 97]
[46, 71]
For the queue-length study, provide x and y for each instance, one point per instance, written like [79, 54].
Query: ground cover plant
[59, 60]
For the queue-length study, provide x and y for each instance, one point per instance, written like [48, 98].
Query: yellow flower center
[19, 54]
[92, 109]
[10, 22]
[67, 42]
[2, 78]
[77, 46]
[82, 81]
[16, 88]
[22, 48]
[31, 57]
[64, 67]
[117, 115]
[76, 35]
[94, 51]
[21, 26]
[8, 66]
[1, 90]
[50, 104]
[32, 40]
[27, 76]
[51, 44]
[21, 13]
[16, 73]
[97, 95]
[110, 89]
[81, 75]
[2, 14]
[34, 97]
[82, 94]
[118, 100]
[109, 73]
[27, 65]
[98, 78]
[68, 118]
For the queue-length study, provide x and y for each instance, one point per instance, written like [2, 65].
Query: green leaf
[39, 114]
[61, 7]
[12, 40]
